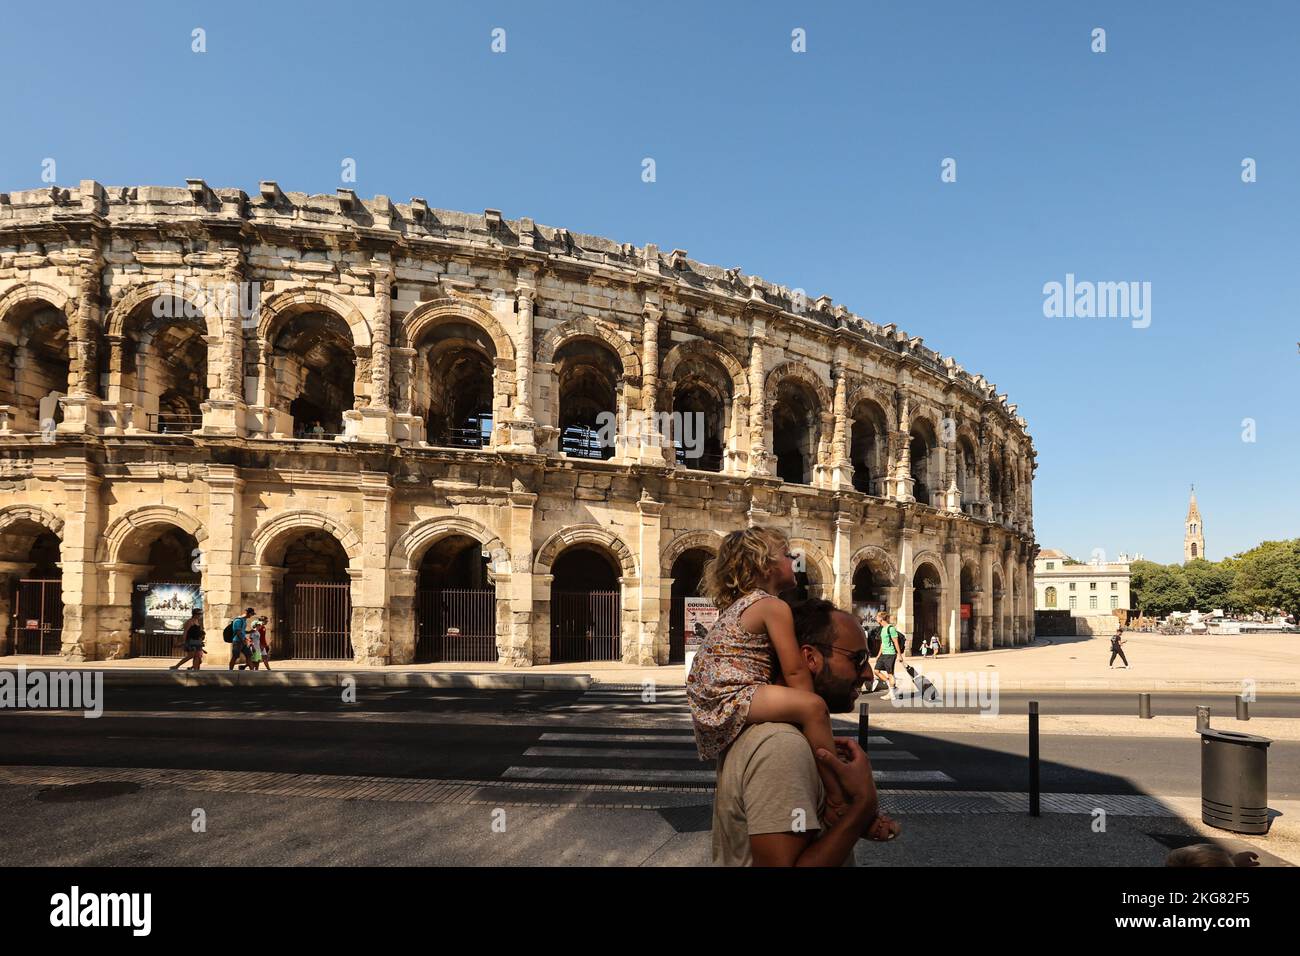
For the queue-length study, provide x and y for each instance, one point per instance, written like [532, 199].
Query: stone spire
[1194, 534]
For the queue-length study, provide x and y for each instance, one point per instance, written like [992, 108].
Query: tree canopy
[1266, 578]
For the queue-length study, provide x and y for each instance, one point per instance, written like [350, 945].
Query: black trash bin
[1234, 781]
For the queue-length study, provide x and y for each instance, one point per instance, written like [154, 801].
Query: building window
[1072, 585]
[1074, 602]
[1092, 585]
[1114, 601]
[1114, 585]
[1092, 602]
[1051, 565]
[1051, 597]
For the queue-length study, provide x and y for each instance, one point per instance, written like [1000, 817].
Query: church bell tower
[1194, 534]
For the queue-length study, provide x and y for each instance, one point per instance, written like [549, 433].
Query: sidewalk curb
[441, 680]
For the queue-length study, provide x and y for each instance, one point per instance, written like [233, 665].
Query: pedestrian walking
[1117, 648]
[193, 646]
[236, 635]
[934, 645]
[891, 648]
[260, 644]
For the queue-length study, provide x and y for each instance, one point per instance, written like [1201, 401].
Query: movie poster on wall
[164, 608]
[700, 615]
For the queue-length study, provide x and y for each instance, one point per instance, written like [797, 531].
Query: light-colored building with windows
[1084, 589]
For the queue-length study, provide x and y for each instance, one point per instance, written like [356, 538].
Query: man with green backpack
[891, 648]
[236, 635]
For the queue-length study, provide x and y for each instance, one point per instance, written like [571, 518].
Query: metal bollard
[862, 726]
[1243, 708]
[1033, 758]
[1144, 706]
[1202, 717]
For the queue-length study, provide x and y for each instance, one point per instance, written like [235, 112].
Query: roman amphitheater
[380, 424]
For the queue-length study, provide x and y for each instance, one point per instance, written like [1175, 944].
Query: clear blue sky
[817, 170]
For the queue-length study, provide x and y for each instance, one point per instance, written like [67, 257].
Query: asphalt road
[600, 737]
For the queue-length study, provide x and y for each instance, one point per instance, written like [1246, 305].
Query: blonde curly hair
[743, 563]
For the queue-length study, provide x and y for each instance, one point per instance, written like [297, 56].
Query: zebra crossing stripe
[658, 753]
[610, 774]
[911, 776]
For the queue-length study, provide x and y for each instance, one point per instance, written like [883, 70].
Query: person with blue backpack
[236, 635]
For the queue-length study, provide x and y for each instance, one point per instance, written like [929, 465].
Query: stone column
[903, 613]
[950, 612]
[842, 555]
[525, 296]
[653, 450]
[81, 537]
[81, 406]
[758, 457]
[370, 640]
[984, 635]
[223, 597]
[402, 624]
[120, 403]
[841, 467]
[376, 419]
[902, 490]
[408, 426]
[652, 647]
[522, 644]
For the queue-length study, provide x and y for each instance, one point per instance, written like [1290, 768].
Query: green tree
[1211, 582]
[1159, 588]
[1268, 577]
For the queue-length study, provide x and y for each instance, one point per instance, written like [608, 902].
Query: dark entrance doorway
[927, 591]
[967, 609]
[456, 603]
[687, 572]
[170, 560]
[585, 608]
[314, 601]
[36, 598]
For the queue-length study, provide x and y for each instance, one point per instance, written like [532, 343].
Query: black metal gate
[315, 621]
[585, 626]
[456, 624]
[677, 631]
[38, 616]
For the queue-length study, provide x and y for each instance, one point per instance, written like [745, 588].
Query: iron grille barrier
[579, 441]
[470, 612]
[174, 423]
[38, 616]
[319, 621]
[585, 626]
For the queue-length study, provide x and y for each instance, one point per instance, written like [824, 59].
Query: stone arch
[587, 328]
[703, 348]
[145, 292]
[411, 546]
[816, 557]
[871, 392]
[274, 530]
[706, 539]
[935, 560]
[16, 513]
[273, 311]
[430, 314]
[25, 292]
[118, 533]
[798, 372]
[591, 534]
[876, 557]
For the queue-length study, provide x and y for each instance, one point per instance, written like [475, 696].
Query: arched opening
[315, 369]
[687, 572]
[34, 365]
[1195, 553]
[455, 385]
[313, 600]
[585, 606]
[867, 441]
[921, 446]
[795, 432]
[31, 585]
[995, 488]
[456, 603]
[808, 583]
[927, 598]
[166, 587]
[967, 608]
[967, 474]
[869, 594]
[1049, 597]
[589, 375]
[164, 365]
[999, 608]
[699, 423]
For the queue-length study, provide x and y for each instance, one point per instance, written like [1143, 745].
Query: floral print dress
[729, 666]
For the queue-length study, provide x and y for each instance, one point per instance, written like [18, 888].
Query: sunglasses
[859, 658]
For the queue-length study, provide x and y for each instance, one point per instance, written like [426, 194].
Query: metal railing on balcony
[173, 423]
[707, 461]
[476, 433]
[317, 432]
[581, 442]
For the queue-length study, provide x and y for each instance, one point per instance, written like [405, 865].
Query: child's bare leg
[775, 704]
